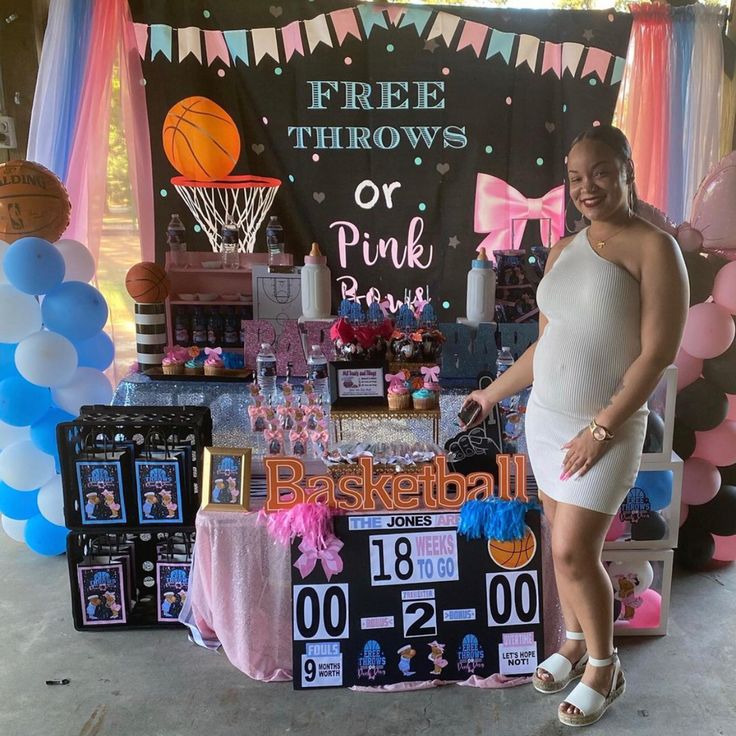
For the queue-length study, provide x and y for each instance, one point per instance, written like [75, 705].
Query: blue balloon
[22, 403]
[43, 432]
[7, 360]
[75, 310]
[97, 352]
[44, 537]
[17, 504]
[657, 484]
[34, 266]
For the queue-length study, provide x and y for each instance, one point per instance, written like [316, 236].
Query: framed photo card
[102, 594]
[226, 479]
[158, 484]
[100, 492]
[172, 584]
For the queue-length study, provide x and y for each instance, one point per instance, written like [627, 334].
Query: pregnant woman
[612, 303]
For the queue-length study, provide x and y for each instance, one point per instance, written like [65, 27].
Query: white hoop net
[214, 204]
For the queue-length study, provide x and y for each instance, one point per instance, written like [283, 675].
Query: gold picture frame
[226, 479]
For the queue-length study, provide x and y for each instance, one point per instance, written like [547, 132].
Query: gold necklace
[601, 243]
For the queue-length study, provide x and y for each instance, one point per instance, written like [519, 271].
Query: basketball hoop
[240, 200]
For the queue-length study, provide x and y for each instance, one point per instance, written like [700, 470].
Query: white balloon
[80, 263]
[630, 577]
[10, 434]
[3, 247]
[20, 314]
[46, 359]
[51, 501]
[88, 386]
[24, 467]
[15, 529]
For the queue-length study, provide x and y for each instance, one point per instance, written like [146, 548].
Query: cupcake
[424, 399]
[213, 365]
[431, 379]
[195, 365]
[173, 362]
[398, 394]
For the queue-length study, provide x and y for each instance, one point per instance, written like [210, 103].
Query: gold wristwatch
[599, 432]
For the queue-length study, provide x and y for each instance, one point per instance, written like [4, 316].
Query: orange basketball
[200, 139]
[514, 554]
[32, 202]
[147, 283]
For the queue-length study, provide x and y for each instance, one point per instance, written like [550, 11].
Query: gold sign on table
[226, 479]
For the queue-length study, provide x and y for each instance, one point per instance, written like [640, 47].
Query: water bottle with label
[176, 240]
[317, 373]
[229, 234]
[266, 370]
[275, 241]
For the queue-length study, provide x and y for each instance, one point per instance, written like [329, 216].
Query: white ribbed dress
[592, 337]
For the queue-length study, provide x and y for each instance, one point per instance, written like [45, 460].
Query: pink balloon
[731, 407]
[648, 614]
[724, 287]
[725, 548]
[718, 445]
[709, 330]
[658, 218]
[689, 368]
[616, 530]
[684, 511]
[689, 239]
[713, 211]
[700, 481]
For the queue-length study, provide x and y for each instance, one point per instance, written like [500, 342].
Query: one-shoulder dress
[592, 336]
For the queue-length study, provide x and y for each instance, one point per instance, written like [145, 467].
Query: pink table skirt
[240, 598]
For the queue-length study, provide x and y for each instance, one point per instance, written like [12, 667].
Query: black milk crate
[146, 563]
[133, 430]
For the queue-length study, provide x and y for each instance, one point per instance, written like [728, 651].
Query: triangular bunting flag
[317, 32]
[571, 53]
[189, 43]
[264, 44]
[371, 16]
[445, 26]
[596, 62]
[160, 40]
[417, 17]
[618, 69]
[345, 24]
[473, 35]
[527, 51]
[292, 37]
[501, 43]
[552, 58]
[215, 47]
[141, 38]
[237, 44]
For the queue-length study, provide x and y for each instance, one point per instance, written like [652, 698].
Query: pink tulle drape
[112, 33]
[644, 100]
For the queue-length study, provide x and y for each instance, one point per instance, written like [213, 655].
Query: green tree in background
[118, 183]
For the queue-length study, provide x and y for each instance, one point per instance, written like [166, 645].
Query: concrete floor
[155, 683]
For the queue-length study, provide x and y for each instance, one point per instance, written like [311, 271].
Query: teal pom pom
[494, 518]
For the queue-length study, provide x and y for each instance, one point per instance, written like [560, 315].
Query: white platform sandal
[589, 701]
[563, 671]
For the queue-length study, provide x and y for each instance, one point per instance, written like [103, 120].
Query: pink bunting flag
[395, 13]
[215, 47]
[596, 62]
[552, 58]
[141, 38]
[473, 35]
[292, 40]
[345, 24]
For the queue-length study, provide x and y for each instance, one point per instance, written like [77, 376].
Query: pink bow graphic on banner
[329, 556]
[431, 375]
[502, 212]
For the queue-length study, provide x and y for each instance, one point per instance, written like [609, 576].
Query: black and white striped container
[150, 334]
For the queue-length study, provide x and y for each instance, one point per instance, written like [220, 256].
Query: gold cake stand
[338, 415]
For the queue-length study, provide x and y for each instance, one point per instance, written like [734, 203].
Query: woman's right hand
[486, 406]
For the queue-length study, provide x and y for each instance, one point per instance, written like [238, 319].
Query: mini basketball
[147, 283]
[33, 202]
[200, 139]
[514, 554]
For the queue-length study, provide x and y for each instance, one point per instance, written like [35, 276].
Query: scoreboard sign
[416, 601]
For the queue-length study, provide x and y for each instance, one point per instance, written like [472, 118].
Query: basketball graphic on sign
[200, 139]
[515, 553]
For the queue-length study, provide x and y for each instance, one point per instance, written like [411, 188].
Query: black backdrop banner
[405, 136]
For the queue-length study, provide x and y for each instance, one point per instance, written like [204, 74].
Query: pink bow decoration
[329, 556]
[213, 351]
[395, 379]
[502, 212]
[431, 375]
